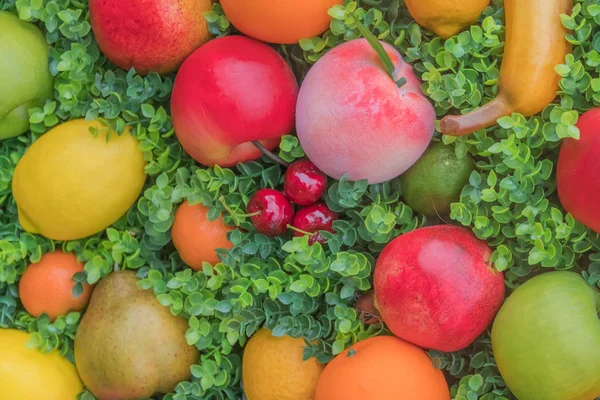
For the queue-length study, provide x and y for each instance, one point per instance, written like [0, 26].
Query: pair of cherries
[272, 213]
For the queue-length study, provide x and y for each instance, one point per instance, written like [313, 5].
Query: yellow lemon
[71, 184]
[28, 374]
[446, 17]
[273, 369]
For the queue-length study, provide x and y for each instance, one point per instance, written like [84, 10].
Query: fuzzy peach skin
[149, 35]
[228, 93]
[352, 118]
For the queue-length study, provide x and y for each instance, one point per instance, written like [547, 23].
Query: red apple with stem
[229, 93]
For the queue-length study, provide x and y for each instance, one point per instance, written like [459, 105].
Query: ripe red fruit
[304, 183]
[273, 212]
[149, 35]
[435, 287]
[578, 171]
[313, 219]
[229, 93]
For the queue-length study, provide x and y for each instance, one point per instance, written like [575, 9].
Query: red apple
[435, 287]
[352, 118]
[230, 92]
[149, 35]
[578, 171]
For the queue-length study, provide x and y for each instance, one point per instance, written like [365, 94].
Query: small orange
[196, 238]
[46, 286]
[279, 21]
[382, 368]
[273, 369]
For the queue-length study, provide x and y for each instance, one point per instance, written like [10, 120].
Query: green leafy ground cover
[296, 289]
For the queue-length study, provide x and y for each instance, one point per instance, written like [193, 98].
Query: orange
[196, 238]
[273, 368]
[46, 286]
[279, 21]
[382, 368]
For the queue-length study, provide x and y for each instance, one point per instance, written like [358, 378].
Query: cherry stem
[235, 215]
[270, 154]
[301, 231]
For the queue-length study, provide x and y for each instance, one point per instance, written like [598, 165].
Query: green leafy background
[286, 285]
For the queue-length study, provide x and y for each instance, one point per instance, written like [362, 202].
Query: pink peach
[352, 118]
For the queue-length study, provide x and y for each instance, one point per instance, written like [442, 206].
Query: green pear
[128, 346]
[25, 78]
[546, 339]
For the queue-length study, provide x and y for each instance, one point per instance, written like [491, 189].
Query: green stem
[235, 215]
[301, 231]
[379, 49]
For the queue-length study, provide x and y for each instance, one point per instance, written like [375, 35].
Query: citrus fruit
[273, 368]
[196, 238]
[46, 286]
[28, 374]
[279, 21]
[436, 180]
[382, 368]
[446, 17]
[71, 184]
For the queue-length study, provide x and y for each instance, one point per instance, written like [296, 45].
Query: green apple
[546, 339]
[25, 78]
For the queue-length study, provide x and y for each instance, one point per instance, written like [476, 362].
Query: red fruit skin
[578, 171]
[434, 287]
[149, 35]
[276, 212]
[353, 119]
[229, 92]
[304, 184]
[313, 219]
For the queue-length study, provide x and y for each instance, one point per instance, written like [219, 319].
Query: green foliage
[283, 283]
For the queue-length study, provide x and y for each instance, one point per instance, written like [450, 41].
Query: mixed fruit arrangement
[299, 200]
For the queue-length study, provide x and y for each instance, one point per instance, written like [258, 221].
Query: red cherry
[313, 219]
[273, 212]
[304, 183]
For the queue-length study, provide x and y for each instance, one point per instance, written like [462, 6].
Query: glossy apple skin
[578, 171]
[229, 92]
[276, 212]
[25, 78]
[546, 339]
[149, 35]
[312, 219]
[304, 184]
[435, 287]
[352, 117]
